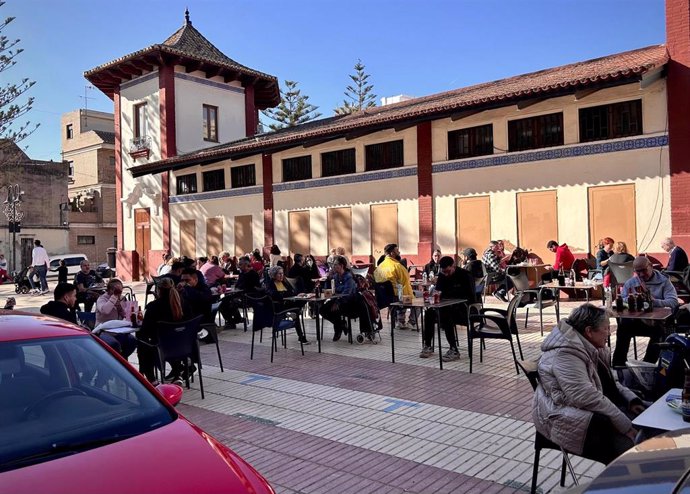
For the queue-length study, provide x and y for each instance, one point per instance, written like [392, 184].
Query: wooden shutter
[244, 242]
[538, 222]
[384, 227]
[214, 236]
[188, 238]
[473, 224]
[340, 229]
[612, 214]
[298, 229]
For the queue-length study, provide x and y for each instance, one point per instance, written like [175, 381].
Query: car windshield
[64, 395]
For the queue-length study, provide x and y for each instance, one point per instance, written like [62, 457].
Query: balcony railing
[140, 146]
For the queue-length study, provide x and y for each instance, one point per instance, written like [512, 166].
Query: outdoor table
[418, 303]
[534, 272]
[237, 293]
[657, 314]
[660, 416]
[317, 303]
[579, 285]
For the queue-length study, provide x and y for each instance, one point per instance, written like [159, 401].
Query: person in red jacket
[564, 259]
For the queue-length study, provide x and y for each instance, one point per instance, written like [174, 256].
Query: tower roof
[189, 48]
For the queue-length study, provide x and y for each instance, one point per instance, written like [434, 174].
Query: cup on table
[327, 292]
[407, 299]
[437, 296]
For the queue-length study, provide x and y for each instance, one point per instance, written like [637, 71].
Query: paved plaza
[348, 420]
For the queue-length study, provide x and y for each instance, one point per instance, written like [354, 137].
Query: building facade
[572, 153]
[88, 145]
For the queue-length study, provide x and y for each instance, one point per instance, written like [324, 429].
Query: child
[62, 272]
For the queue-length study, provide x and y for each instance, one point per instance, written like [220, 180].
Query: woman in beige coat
[578, 405]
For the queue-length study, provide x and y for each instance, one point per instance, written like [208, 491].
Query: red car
[75, 417]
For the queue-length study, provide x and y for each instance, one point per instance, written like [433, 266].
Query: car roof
[16, 325]
[67, 256]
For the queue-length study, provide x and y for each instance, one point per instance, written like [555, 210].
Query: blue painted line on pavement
[255, 377]
[395, 404]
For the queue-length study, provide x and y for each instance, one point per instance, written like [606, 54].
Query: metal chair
[265, 316]
[521, 283]
[180, 341]
[86, 319]
[495, 324]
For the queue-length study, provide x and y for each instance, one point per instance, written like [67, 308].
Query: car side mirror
[171, 392]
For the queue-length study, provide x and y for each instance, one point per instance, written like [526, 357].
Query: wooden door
[298, 232]
[340, 229]
[384, 227]
[537, 222]
[214, 236]
[244, 241]
[612, 214]
[27, 247]
[142, 242]
[473, 223]
[188, 238]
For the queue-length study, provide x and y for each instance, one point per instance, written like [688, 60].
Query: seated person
[571, 405]
[62, 271]
[432, 268]
[196, 294]
[167, 307]
[302, 273]
[492, 263]
[4, 276]
[564, 260]
[213, 273]
[175, 272]
[453, 282]
[278, 288]
[164, 266]
[348, 305]
[85, 279]
[257, 262]
[62, 305]
[663, 294]
[391, 269]
[677, 258]
[471, 263]
[228, 264]
[249, 282]
[620, 254]
[109, 308]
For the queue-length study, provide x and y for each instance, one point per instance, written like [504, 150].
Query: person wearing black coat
[303, 274]
[197, 294]
[278, 288]
[433, 266]
[250, 283]
[62, 307]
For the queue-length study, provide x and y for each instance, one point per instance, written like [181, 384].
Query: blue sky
[410, 47]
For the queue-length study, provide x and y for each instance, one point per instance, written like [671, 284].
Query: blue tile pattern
[216, 194]
[405, 171]
[139, 80]
[553, 153]
[206, 82]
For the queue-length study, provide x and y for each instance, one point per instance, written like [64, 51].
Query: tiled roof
[107, 137]
[609, 70]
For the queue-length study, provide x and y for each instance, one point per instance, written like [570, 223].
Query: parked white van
[72, 262]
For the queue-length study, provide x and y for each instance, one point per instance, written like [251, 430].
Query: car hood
[176, 458]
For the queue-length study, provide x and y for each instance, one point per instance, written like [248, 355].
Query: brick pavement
[348, 420]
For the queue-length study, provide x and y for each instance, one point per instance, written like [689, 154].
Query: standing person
[605, 251]
[109, 308]
[578, 405]
[392, 270]
[433, 267]
[677, 258]
[167, 307]
[453, 282]
[663, 294]
[40, 262]
[275, 256]
[62, 305]
[62, 272]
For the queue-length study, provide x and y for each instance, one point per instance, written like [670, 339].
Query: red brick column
[678, 104]
[166, 86]
[425, 189]
[251, 117]
[267, 164]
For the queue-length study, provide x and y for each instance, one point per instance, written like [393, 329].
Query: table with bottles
[586, 285]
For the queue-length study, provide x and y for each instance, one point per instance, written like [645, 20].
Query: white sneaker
[44, 292]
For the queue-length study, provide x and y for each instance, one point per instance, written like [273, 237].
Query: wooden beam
[129, 68]
[521, 105]
[142, 65]
[212, 71]
[193, 66]
[651, 77]
[583, 93]
[316, 142]
[464, 114]
[404, 126]
[231, 75]
[360, 133]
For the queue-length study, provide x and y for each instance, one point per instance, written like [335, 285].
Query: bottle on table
[685, 397]
[619, 300]
[573, 277]
[607, 298]
[561, 277]
[632, 302]
[425, 277]
[140, 316]
[332, 286]
[133, 317]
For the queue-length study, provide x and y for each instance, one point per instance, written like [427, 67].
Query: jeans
[41, 271]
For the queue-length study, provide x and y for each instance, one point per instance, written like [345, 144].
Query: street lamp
[11, 208]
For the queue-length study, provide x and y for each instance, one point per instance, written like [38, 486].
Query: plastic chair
[86, 319]
[521, 283]
[151, 288]
[211, 330]
[494, 324]
[265, 316]
[180, 341]
[540, 441]
[620, 273]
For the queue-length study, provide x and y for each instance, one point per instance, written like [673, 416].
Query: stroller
[21, 281]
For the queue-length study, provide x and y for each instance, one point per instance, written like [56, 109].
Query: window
[475, 141]
[71, 168]
[186, 184]
[384, 155]
[535, 132]
[140, 120]
[242, 176]
[214, 180]
[112, 160]
[611, 121]
[297, 169]
[69, 131]
[86, 239]
[210, 114]
[338, 162]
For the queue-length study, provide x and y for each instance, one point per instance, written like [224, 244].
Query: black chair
[209, 332]
[540, 441]
[151, 288]
[265, 316]
[678, 280]
[521, 283]
[385, 296]
[620, 273]
[86, 319]
[494, 324]
[180, 341]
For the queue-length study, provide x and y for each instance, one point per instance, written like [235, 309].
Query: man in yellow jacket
[392, 270]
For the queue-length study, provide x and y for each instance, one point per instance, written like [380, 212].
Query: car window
[76, 393]
[73, 261]
[54, 264]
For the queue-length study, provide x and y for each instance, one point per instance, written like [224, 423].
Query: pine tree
[11, 107]
[359, 95]
[294, 108]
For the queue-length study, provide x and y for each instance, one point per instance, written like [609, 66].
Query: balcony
[140, 147]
